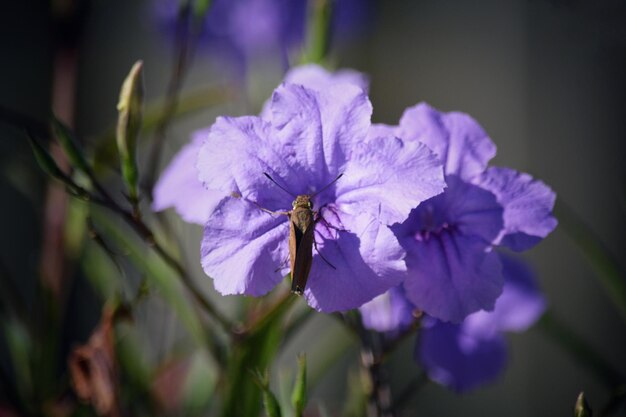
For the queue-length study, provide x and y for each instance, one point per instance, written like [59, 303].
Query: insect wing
[301, 229]
[303, 259]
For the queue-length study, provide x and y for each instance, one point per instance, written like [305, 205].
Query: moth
[302, 221]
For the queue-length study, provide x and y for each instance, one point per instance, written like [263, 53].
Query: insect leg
[322, 256]
[286, 213]
[283, 264]
[321, 218]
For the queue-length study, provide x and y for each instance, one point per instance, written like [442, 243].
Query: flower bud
[270, 403]
[129, 125]
[582, 409]
[298, 395]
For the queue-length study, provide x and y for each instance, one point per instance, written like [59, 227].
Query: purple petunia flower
[240, 30]
[179, 185]
[464, 356]
[449, 238]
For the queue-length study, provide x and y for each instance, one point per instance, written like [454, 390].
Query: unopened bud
[128, 127]
[582, 408]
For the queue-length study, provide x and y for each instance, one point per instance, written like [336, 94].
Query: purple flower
[246, 28]
[308, 139]
[449, 238]
[464, 356]
[179, 185]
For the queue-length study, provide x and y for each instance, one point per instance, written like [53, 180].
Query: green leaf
[200, 384]
[47, 163]
[356, 401]
[299, 396]
[70, 145]
[130, 108]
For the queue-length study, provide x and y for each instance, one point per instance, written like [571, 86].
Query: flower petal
[460, 142]
[457, 359]
[318, 130]
[242, 248]
[179, 186]
[519, 307]
[389, 312]
[452, 275]
[235, 157]
[390, 177]
[527, 203]
[366, 259]
[318, 78]
[462, 208]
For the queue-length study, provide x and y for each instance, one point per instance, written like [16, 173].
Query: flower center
[432, 225]
[425, 234]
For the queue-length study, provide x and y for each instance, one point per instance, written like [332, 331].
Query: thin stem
[135, 221]
[379, 397]
[391, 345]
[148, 236]
[410, 389]
[146, 233]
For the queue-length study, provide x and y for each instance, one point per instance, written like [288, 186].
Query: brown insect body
[301, 235]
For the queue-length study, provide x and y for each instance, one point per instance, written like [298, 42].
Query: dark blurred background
[546, 79]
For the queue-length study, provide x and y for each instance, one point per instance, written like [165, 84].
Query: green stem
[319, 33]
[184, 53]
[410, 390]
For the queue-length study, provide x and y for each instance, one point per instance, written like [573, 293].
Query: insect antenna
[277, 184]
[328, 185]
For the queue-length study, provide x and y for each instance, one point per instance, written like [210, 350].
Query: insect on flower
[302, 220]
[304, 139]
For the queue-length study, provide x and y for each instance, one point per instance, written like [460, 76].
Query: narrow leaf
[46, 162]
[70, 145]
